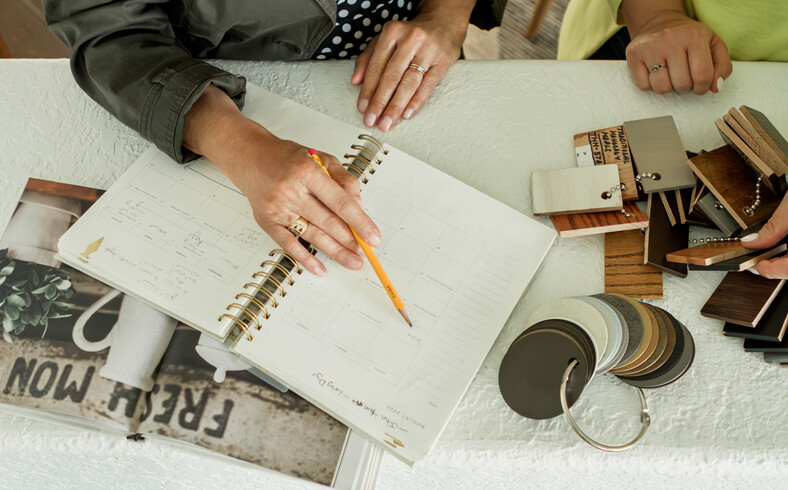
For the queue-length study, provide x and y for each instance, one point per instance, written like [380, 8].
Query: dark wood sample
[753, 345]
[742, 298]
[571, 225]
[733, 183]
[744, 262]
[708, 253]
[661, 239]
[771, 327]
[625, 272]
[657, 149]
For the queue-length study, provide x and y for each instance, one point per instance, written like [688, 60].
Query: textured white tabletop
[489, 124]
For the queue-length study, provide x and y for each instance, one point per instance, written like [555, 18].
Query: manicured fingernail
[749, 237]
[754, 272]
[385, 123]
[355, 262]
[408, 113]
[320, 271]
[720, 81]
[362, 105]
[374, 238]
[369, 119]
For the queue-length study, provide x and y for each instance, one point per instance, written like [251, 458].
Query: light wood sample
[575, 190]
[742, 127]
[755, 162]
[571, 225]
[745, 261]
[661, 239]
[708, 253]
[657, 149]
[732, 182]
[768, 132]
[742, 298]
[608, 147]
[624, 269]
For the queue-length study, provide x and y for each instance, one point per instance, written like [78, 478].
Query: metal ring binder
[279, 251]
[243, 325]
[358, 170]
[270, 277]
[263, 290]
[255, 302]
[364, 159]
[281, 268]
[374, 141]
[362, 148]
[247, 311]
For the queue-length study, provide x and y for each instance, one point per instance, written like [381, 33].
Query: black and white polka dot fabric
[358, 21]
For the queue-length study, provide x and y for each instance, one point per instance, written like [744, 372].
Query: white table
[489, 124]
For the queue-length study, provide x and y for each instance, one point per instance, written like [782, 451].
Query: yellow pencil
[373, 260]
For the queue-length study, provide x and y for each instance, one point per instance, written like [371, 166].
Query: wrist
[643, 15]
[451, 16]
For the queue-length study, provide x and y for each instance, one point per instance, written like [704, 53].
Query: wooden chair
[4, 51]
[541, 7]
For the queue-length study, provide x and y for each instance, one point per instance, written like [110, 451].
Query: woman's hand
[390, 90]
[282, 183]
[775, 230]
[693, 56]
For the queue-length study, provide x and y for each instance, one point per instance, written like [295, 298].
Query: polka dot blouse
[358, 21]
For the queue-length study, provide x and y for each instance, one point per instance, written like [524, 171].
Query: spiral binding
[260, 295]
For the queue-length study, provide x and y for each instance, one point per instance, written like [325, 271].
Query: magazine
[81, 352]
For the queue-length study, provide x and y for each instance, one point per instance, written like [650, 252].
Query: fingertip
[408, 113]
[362, 105]
[355, 262]
[386, 123]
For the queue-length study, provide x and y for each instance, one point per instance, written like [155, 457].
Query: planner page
[459, 259]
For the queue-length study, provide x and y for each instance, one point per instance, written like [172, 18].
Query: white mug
[138, 340]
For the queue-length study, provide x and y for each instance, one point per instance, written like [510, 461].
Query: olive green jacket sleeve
[124, 54]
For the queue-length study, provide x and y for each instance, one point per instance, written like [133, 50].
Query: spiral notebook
[183, 238]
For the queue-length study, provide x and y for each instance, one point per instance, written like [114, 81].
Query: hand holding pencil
[373, 260]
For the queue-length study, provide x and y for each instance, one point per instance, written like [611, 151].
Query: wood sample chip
[708, 253]
[768, 132]
[745, 261]
[608, 147]
[671, 206]
[575, 190]
[733, 183]
[742, 298]
[772, 326]
[745, 130]
[755, 162]
[657, 149]
[572, 225]
[624, 270]
[661, 239]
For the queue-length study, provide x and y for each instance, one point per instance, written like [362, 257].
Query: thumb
[721, 61]
[773, 231]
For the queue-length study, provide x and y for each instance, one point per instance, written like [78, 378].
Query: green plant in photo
[31, 294]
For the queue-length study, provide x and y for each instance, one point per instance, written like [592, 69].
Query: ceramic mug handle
[78, 334]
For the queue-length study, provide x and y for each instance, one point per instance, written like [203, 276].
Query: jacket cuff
[174, 91]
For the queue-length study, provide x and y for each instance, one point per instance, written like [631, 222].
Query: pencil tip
[405, 316]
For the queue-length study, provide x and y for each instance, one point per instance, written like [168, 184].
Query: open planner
[183, 238]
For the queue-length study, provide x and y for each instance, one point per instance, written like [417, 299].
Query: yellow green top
[754, 30]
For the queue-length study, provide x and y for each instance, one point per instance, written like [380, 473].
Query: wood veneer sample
[708, 253]
[625, 272]
[745, 130]
[608, 147]
[772, 326]
[571, 225]
[717, 214]
[575, 190]
[742, 298]
[671, 207]
[661, 239]
[733, 183]
[745, 261]
[768, 132]
[657, 149]
[683, 198]
[753, 345]
[755, 162]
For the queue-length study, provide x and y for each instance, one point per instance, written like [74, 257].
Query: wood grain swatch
[755, 162]
[683, 199]
[744, 262]
[732, 182]
[772, 326]
[708, 253]
[608, 147]
[768, 132]
[657, 149]
[671, 207]
[661, 239]
[575, 190]
[742, 298]
[745, 130]
[571, 225]
[624, 270]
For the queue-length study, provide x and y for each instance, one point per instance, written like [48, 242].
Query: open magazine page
[242, 416]
[75, 347]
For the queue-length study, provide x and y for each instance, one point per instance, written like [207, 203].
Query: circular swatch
[580, 313]
[616, 333]
[632, 321]
[669, 335]
[531, 371]
[660, 341]
[573, 330]
[647, 346]
[683, 355]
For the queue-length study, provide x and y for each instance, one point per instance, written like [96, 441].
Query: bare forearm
[455, 13]
[637, 13]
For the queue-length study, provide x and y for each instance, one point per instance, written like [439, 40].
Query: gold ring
[255, 302]
[361, 149]
[282, 268]
[289, 257]
[263, 290]
[364, 159]
[270, 277]
[247, 312]
[656, 68]
[374, 141]
[418, 68]
[242, 324]
[358, 170]
[298, 227]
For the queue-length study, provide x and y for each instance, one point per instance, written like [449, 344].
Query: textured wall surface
[489, 124]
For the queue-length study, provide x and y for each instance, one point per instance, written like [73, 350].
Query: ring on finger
[656, 68]
[298, 227]
[418, 68]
